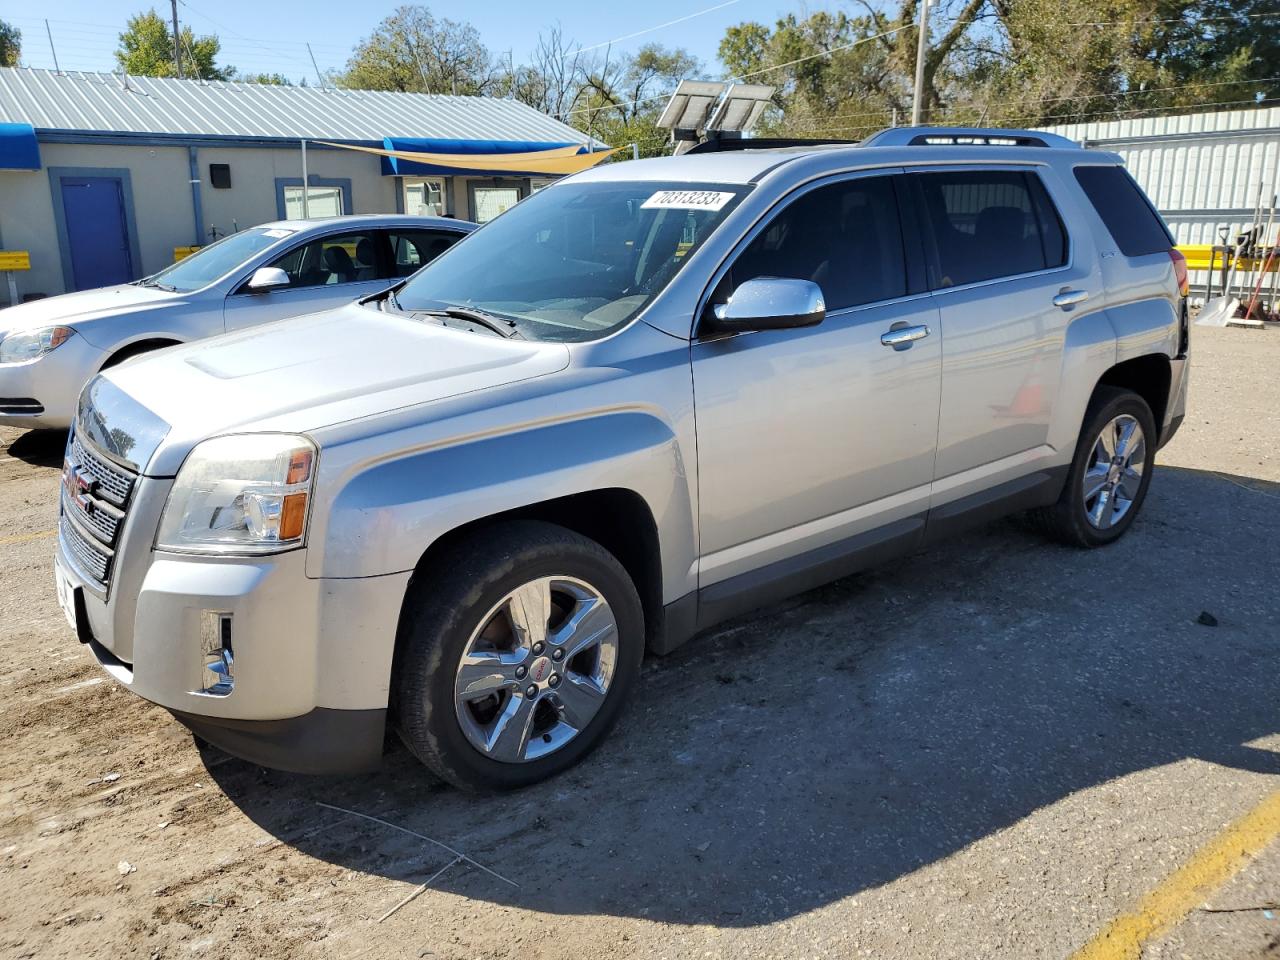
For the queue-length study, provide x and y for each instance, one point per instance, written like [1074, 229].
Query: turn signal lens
[293, 516]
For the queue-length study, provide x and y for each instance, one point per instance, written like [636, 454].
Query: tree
[271, 79]
[621, 97]
[413, 51]
[10, 45]
[146, 50]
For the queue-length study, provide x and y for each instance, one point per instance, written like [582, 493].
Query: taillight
[1180, 271]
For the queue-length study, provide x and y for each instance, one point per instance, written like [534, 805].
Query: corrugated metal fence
[1203, 171]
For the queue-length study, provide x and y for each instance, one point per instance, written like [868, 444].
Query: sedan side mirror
[266, 278]
[771, 303]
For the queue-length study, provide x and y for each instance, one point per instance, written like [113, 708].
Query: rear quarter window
[1125, 210]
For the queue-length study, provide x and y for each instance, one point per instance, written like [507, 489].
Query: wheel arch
[136, 347]
[1150, 376]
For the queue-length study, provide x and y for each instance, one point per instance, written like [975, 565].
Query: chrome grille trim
[102, 519]
[92, 556]
[112, 482]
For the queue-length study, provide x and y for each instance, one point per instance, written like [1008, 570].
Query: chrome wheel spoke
[1107, 441]
[529, 609]
[1094, 480]
[1136, 455]
[1101, 512]
[1127, 431]
[484, 673]
[508, 737]
[579, 700]
[1130, 481]
[591, 623]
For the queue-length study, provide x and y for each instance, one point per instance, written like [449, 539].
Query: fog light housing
[217, 659]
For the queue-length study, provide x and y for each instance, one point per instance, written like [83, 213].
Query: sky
[272, 36]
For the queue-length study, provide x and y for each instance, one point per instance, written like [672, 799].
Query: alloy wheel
[1114, 475]
[537, 670]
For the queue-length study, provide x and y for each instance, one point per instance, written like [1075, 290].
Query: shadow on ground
[865, 729]
[40, 448]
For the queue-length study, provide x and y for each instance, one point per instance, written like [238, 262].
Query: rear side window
[988, 224]
[1133, 223]
[845, 237]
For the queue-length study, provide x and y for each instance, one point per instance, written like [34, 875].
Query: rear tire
[506, 717]
[1109, 475]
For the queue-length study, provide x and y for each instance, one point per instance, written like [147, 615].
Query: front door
[97, 231]
[323, 273]
[810, 438]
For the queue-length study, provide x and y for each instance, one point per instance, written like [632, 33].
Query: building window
[424, 198]
[321, 202]
[491, 201]
[536, 185]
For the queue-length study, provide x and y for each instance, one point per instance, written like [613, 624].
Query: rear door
[324, 272]
[810, 438]
[1001, 268]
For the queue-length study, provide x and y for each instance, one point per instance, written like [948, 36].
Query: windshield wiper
[158, 285]
[499, 325]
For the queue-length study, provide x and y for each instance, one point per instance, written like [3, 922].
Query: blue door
[97, 231]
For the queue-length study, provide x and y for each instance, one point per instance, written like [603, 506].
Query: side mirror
[266, 278]
[771, 303]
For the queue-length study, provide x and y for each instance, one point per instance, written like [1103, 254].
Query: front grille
[95, 558]
[21, 405]
[95, 496]
[113, 483]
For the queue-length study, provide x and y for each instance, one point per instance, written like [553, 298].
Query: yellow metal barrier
[1199, 256]
[15, 260]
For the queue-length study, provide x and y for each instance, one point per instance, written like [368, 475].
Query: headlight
[243, 494]
[30, 344]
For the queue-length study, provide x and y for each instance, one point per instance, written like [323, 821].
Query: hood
[79, 309]
[309, 372]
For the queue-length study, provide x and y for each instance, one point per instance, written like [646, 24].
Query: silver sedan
[50, 348]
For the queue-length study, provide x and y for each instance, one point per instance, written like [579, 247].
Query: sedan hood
[80, 309]
[309, 372]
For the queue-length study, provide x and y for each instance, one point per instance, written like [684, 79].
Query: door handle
[902, 337]
[1069, 298]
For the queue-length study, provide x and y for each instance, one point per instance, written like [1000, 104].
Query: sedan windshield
[575, 260]
[216, 260]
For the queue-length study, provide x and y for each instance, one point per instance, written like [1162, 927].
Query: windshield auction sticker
[687, 200]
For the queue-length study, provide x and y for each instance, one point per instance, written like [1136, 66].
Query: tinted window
[988, 224]
[344, 258]
[845, 237]
[411, 249]
[1134, 225]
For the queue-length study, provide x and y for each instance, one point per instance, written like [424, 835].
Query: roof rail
[966, 136]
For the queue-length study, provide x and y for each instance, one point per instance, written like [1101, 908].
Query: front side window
[413, 249]
[342, 258]
[845, 237]
[578, 261]
[987, 224]
[217, 260]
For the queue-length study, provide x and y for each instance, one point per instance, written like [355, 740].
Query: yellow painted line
[25, 537]
[1186, 888]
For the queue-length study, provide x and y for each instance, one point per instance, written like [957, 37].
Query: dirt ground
[987, 750]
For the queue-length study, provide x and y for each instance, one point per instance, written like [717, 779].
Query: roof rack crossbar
[966, 136]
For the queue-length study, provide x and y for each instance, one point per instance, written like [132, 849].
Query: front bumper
[53, 381]
[312, 658]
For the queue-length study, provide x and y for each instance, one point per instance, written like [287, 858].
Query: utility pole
[922, 50]
[52, 48]
[177, 40]
[319, 75]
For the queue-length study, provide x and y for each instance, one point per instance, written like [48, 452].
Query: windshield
[216, 260]
[576, 260]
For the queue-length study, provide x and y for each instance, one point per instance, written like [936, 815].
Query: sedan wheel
[1114, 477]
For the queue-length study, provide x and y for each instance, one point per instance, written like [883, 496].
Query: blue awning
[18, 147]
[399, 167]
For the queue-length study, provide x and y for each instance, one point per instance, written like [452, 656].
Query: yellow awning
[556, 160]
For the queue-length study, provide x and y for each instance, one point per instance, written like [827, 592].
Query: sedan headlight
[30, 344]
[243, 494]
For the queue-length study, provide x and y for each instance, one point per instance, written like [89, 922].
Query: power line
[661, 26]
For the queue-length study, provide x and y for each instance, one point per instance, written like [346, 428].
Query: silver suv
[650, 397]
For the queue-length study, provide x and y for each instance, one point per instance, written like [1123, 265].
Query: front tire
[515, 659]
[1109, 475]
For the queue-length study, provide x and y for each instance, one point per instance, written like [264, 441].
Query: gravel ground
[987, 750]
